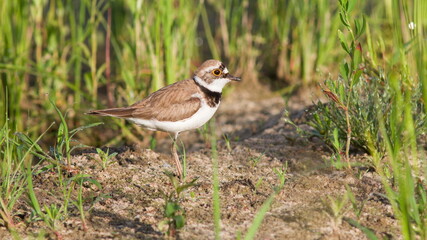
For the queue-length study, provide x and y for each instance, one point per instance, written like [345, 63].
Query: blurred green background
[91, 54]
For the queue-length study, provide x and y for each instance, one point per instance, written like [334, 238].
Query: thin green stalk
[76, 38]
[421, 53]
[167, 21]
[215, 182]
[208, 33]
[94, 48]
[79, 203]
[38, 17]
[349, 131]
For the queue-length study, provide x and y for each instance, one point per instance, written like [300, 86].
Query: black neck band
[212, 97]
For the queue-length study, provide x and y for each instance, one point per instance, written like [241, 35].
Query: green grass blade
[368, 232]
[31, 194]
[215, 182]
[259, 217]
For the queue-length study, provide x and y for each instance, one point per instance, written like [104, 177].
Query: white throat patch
[216, 86]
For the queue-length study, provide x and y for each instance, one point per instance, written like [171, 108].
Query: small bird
[182, 106]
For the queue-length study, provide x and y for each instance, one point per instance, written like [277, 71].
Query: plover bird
[182, 106]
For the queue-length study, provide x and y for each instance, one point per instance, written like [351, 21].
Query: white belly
[197, 120]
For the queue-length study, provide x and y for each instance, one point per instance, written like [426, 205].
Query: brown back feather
[171, 103]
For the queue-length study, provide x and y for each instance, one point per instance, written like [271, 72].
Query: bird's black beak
[231, 77]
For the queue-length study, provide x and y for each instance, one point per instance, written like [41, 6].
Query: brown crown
[204, 72]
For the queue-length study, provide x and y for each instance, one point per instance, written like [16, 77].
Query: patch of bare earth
[261, 140]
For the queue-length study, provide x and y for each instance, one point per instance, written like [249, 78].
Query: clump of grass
[381, 110]
[18, 168]
[60, 154]
[67, 180]
[256, 159]
[13, 177]
[63, 147]
[337, 207]
[105, 157]
[357, 95]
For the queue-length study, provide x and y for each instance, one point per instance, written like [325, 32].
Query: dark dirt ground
[261, 140]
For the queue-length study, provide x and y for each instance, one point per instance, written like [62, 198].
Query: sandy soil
[261, 140]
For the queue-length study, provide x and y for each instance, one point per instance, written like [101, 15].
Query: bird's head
[213, 75]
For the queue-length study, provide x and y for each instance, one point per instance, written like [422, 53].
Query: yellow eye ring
[216, 72]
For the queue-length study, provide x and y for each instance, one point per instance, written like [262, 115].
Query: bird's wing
[172, 103]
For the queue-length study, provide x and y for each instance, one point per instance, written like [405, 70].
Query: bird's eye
[216, 72]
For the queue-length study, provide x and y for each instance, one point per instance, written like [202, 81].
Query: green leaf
[99, 151]
[344, 20]
[360, 26]
[179, 221]
[344, 70]
[81, 178]
[74, 131]
[170, 209]
[184, 187]
[357, 58]
[45, 168]
[343, 41]
[29, 142]
[341, 36]
[336, 140]
[174, 180]
[60, 135]
[63, 122]
[33, 201]
[79, 146]
[341, 92]
[357, 25]
[356, 77]
[94, 182]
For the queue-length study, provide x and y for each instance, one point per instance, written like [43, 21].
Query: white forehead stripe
[209, 69]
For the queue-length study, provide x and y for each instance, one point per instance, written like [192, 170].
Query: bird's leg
[176, 157]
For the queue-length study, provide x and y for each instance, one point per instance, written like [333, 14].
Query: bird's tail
[113, 112]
